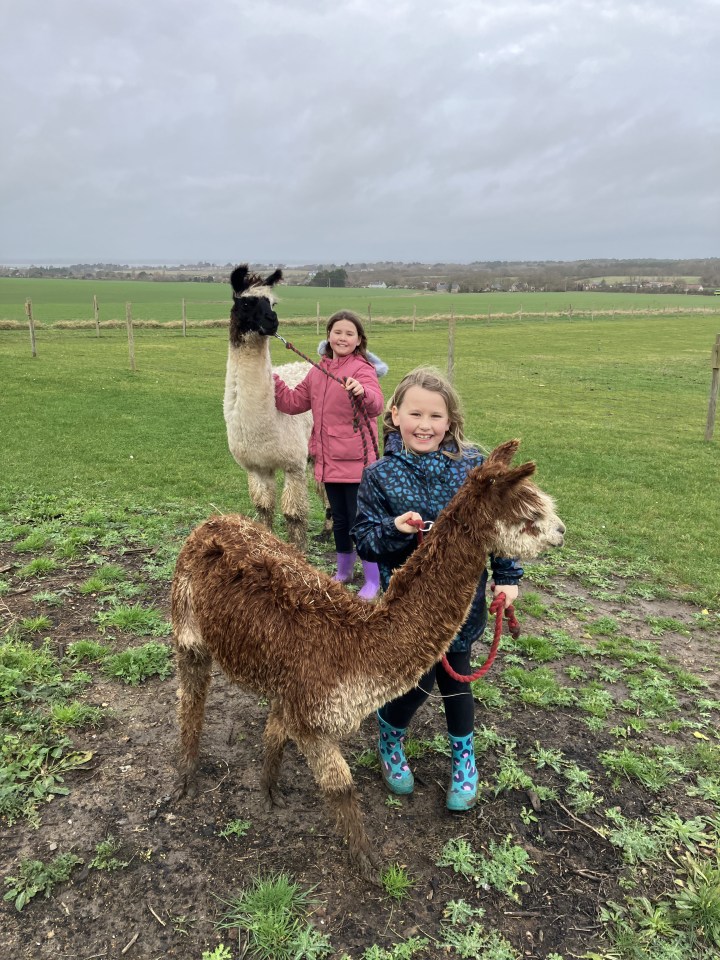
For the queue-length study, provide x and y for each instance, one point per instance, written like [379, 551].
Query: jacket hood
[381, 368]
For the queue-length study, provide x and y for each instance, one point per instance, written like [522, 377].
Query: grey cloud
[359, 130]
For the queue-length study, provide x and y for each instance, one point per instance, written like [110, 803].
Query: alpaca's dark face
[252, 315]
[253, 302]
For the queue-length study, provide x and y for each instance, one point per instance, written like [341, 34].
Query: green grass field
[71, 300]
[613, 411]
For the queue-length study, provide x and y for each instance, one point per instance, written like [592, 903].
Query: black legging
[458, 698]
[343, 504]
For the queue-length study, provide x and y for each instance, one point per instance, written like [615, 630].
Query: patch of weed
[651, 773]
[29, 625]
[75, 714]
[49, 597]
[659, 626]
[538, 687]
[273, 911]
[396, 882]
[37, 877]
[234, 828]
[136, 619]
[138, 663]
[105, 858]
[86, 651]
[39, 567]
[488, 694]
[603, 627]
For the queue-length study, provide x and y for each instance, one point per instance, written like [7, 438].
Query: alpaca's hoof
[273, 798]
[367, 866]
[184, 787]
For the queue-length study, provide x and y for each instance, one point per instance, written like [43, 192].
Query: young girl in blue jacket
[425, 463]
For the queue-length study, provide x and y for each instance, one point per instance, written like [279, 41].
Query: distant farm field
[613, 410]
[59, 301]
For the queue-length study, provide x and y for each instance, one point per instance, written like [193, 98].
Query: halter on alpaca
[253, 301]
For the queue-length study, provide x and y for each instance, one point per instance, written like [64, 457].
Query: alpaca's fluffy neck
[429, 597]
[249, 388]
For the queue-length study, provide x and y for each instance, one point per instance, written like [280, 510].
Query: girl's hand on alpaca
[510, 590]
[354, 387]
[404, 526]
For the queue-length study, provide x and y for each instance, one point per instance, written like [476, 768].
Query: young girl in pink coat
[336, 442]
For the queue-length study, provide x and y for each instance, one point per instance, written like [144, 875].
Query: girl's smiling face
[343, 338]
[422, 419]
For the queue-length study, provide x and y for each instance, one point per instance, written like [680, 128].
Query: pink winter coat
[335, 443]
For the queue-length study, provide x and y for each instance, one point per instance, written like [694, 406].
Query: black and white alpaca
[261, 439]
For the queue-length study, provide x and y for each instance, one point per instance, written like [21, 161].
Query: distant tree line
[336, 277]
[697, 276]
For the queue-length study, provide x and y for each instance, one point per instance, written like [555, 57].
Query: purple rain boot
[369, 589]
[345, 567]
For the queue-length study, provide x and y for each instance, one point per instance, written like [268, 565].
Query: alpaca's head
[521, 517]
[253, 300]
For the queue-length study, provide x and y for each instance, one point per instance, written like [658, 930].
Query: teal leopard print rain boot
[462, 792]
[393, 763]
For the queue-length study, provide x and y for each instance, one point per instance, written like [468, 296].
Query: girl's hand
[404, 526]
[354, 387]
[511, 592]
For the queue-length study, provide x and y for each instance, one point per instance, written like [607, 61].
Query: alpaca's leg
[275, 738]
[261, 485]
[295, 506]
[333, 776]
[193, 667]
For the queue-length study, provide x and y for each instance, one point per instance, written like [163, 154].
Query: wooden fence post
[96, 315]
[31, 324]
[715, 364]
[451, 347]
[131, 338]
[184, 317]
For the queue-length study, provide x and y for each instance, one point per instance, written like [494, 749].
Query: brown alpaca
[281, 628]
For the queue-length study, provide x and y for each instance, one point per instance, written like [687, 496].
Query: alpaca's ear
[504, 453]
[239, 278]
[517, 474]
[273, 278]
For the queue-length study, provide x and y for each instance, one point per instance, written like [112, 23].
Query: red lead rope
[497, 607]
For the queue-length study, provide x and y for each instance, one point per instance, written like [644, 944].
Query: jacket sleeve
[373, 400]
[289, 400]
[375, 534]
[506, 570]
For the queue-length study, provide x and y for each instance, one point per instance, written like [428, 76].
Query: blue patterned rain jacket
[402, 481]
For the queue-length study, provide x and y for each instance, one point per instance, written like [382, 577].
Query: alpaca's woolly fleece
[323, 657]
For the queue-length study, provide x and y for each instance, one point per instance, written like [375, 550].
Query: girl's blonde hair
[350, 315]
[428, 378]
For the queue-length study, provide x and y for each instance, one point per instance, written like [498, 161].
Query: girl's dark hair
[361, 348]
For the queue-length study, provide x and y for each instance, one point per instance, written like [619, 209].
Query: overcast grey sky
[308, 130]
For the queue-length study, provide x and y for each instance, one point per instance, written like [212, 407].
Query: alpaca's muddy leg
[275, 738]
[295, 507]
[193, 667]
[261, 487]
[333, 776]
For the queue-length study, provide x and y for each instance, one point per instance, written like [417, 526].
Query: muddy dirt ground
[165, 902]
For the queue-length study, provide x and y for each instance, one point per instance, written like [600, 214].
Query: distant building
[380, 285]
